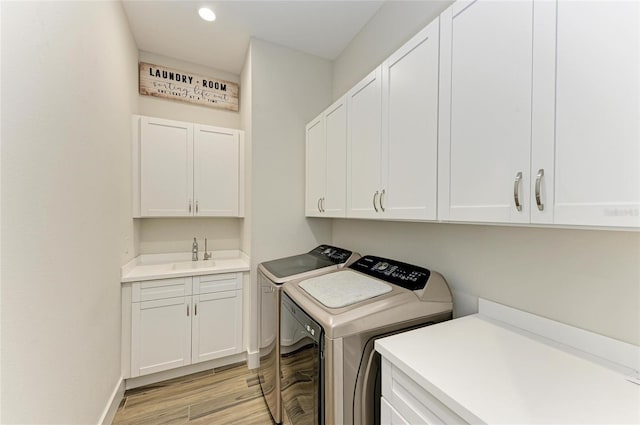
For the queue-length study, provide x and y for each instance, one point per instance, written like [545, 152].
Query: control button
[327, 251]
[383, 266]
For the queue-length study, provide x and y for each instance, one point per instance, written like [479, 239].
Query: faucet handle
[207, 255]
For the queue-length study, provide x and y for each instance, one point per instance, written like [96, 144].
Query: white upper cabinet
[182, 169]
[597, 127]
[485, 111]
[216, 171]
[393, 135]
[364, 103]
[326, 162]
[521, 112]
[166, 167]
[316, 167]
[334, 203]
[410, 129]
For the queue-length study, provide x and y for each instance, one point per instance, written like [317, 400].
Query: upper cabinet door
[364, 145]
[410, 129]
[335, 197]
[315, 167]
[485, 111]
[166, 171]
[597, 146]
[182, 169]
[216, 171]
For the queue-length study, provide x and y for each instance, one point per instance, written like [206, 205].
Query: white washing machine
[330, 372]
[271, 276]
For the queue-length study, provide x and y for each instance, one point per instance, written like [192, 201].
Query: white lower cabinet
[161, 335]
[389, 415]
[182, 321]
[404, 401]
[217, 317]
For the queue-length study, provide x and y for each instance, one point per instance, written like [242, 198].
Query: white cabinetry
[217, 316]
[393, 135]
[485, 111]
[539, 106]
[596, 180]
[326, 162]
[405, 402]
[160, 325]
[410, 129]
[182, 169]
[364, 103]
[181, 321]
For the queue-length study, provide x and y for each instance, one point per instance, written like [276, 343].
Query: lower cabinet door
[217, 325]
[389, 416]
[160, 335]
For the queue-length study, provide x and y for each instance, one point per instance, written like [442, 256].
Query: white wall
[160, 235]
[288, 89]
[245, 124]
[589, 279]
[394, 24]
[69, 87]
[176, 235]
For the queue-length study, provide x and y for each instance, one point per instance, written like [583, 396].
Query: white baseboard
[253, 359]
[110, 410]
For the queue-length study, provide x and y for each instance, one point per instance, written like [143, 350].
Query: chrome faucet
[194, 250]
[207, 254]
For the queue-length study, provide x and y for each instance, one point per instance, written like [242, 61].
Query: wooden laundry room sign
[160, 81]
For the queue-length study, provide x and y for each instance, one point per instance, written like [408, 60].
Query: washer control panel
[333, 254]
[402, 274]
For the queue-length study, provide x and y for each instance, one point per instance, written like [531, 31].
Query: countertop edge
[238, 262]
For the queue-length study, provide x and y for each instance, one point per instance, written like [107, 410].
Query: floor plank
[229, 395]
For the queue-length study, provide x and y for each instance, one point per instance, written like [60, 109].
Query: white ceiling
[173, 28]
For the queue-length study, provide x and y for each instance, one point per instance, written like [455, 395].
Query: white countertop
[161, 266]
[487, 371]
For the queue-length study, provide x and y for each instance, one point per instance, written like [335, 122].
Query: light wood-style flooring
[229, 395]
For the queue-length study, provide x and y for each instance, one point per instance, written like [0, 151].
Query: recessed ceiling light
[207, 14]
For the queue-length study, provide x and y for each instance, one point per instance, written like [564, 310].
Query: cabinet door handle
[187, 310]
[375, 198]
[538, 187]
[516, 191]
[319, 207]
[197, 207]
[189, 206]
[195, 309]
[322, 204]
[382, 200]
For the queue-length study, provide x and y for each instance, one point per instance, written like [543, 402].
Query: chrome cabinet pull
[382, 200]
[538, 187]
[197, 207]
[322, 204]
[375, 197]
[189, 206]
[187, 310]
[516, 191]
[319, 207]
[195, 310]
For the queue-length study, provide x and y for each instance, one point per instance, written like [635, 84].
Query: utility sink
[193, 265]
